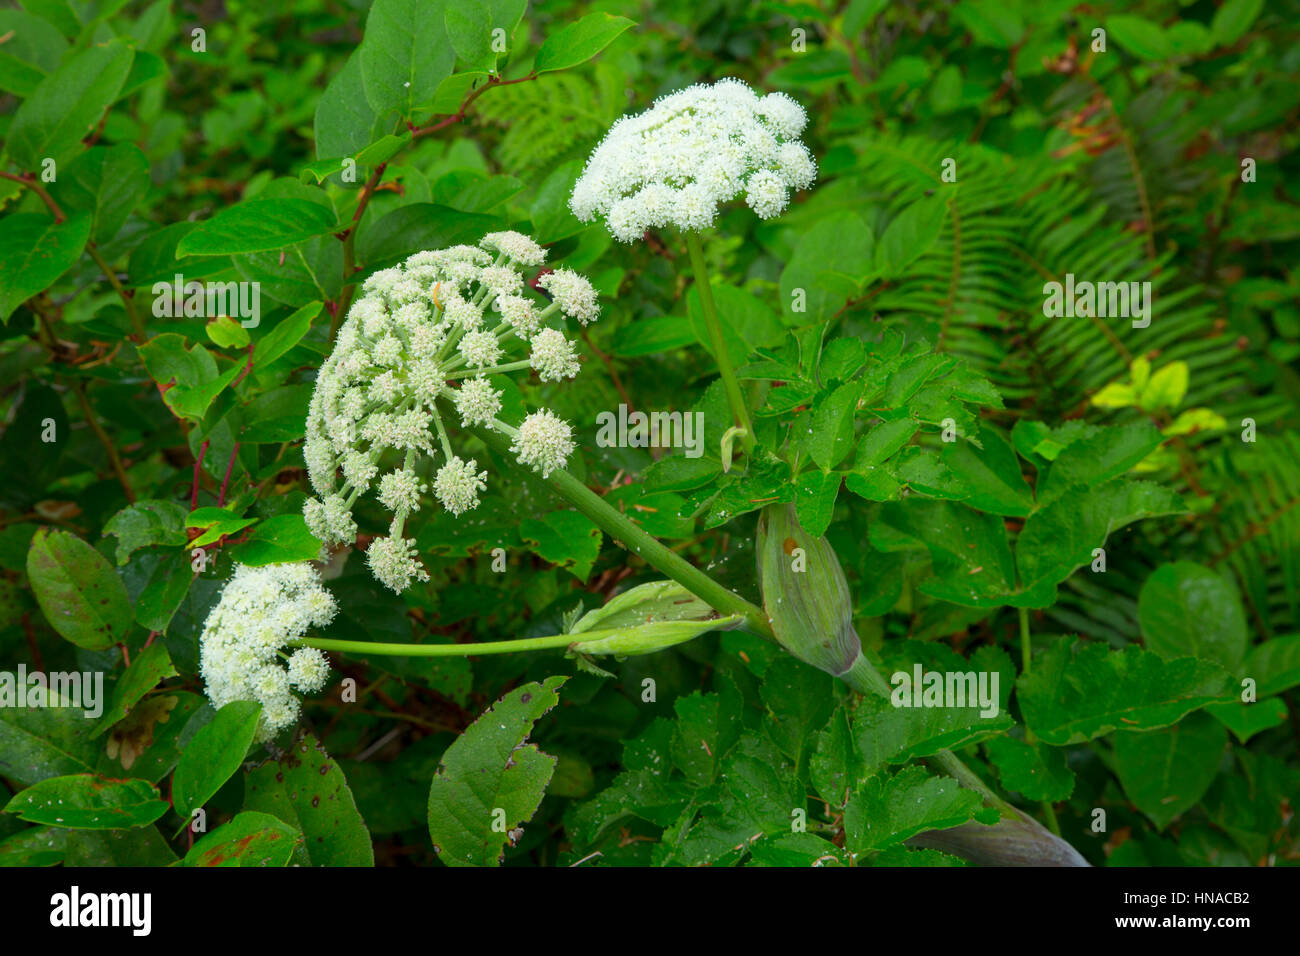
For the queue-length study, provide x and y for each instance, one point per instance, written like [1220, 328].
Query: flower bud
[804, 591]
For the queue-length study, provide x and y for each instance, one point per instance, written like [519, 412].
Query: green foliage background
[1121, 690]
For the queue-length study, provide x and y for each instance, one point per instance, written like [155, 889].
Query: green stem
[1026, 656]
[739, 410]
[617, 525]
[550, 642]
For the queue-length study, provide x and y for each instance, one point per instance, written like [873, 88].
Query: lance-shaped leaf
[90, 802]
[491, 780]
[214, 755]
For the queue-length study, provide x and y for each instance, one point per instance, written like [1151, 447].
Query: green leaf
[799, 700]
[224, 332]
[1166, 772]
[910, 235]
[141, 846]
[33, 50]
[187, 377]
[106, 182]
[24, 440]
[469, 28]
[144, 523]
[87, 801]
[214, 755]
[886, 733]
[991, 474]
[564, 538]
[832, 426]
[550, 213]
[814, 500]
[150, 667]
[1061, 537]
[1034, 771]
[405, 54]
[490, 781]
[420, 225]
[285, 335]
[251, 839]
[1141, 37]
[67, 105]
[79, 593]
[41, 742]
[34, 252]
[1166, 388]
[345, 121]
[34, 846]
[278, 540]
[306, 789]
[1187, 609]
[840, 242]
[1274, 665]
[1233, 19]
[579, 42]
[887, 810]
[259, 225]
[1246, 720]
[1078, 691]
[1096, 459]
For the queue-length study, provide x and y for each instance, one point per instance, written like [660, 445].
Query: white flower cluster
[240, 651]
[424, 335]
[692, 151]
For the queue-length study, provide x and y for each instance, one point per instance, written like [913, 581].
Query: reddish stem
[225, 482]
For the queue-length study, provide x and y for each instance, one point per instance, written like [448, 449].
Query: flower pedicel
[442, 319]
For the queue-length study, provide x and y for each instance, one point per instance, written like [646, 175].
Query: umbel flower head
[693, 150]
[419, 345]
[240, 657]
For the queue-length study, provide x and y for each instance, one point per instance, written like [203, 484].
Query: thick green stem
[739, 410]
[617, 525]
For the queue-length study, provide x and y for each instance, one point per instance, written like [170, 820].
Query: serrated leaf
[1078, 691]
[1034, 771]
[491, 777]
[567, 539]
[144, 523]
[886, 810]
